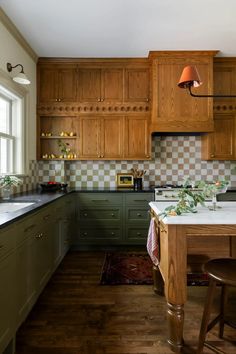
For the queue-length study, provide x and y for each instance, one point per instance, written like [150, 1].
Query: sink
[10, 207]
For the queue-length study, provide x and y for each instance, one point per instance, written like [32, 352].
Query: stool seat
[221, 271]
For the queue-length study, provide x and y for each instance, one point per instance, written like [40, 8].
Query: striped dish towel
[152, 243]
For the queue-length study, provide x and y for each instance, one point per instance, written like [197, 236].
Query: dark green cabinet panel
[112, 218]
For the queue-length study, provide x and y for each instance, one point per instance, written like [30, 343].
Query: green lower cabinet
[109, 219]
[136, 235]
[25, 279]
[7, 300]
[137, 217]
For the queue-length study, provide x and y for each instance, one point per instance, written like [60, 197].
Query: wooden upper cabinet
[90, 137]
[112, 85]
[98, 85]
[137, 138]
[89, 85]
[137, 84]
[221, 144]
[225, 77]
[112, 142]
[57, 83]
[102, 137]
[173, 109]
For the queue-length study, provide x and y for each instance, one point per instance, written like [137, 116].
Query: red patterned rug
[136, 269]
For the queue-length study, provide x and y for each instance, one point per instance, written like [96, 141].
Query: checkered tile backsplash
[173, 157]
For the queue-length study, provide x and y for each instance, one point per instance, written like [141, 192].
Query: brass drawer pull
[99, 200]
[46, 217]
[29, 228]
[140, 200]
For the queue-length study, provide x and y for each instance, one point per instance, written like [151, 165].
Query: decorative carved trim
[224, 107]
[17, 35]
[75, 109]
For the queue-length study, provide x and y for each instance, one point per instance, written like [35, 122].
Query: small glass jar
[6, 192]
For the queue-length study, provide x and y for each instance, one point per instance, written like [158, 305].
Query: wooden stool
[221, 271]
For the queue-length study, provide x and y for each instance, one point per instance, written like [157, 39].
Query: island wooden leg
[175, 319]
[158, 283]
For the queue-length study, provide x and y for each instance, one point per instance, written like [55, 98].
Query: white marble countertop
[224, 215]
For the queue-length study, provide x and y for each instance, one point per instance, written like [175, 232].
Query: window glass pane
[12, 115]
[6, 155]
[3, 155]
[4, 115]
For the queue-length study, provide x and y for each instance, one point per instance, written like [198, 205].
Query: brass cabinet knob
[102, 99]
[147, 99]
[99, 100]
[212, 155]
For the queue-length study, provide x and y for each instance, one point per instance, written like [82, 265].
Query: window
[11, 132]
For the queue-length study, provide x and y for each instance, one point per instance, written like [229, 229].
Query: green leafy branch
[188, 200]
[8, 181]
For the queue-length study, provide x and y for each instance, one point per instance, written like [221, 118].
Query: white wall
[12, 52]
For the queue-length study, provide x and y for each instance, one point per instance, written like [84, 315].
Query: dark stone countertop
[41, 199]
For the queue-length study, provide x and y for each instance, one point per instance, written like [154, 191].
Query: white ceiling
[123, 28]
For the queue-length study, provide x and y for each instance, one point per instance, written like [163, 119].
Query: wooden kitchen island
[207, 234]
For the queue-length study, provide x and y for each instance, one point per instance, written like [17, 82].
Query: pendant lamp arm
[209, 96]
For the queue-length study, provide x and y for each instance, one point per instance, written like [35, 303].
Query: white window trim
[23, 93]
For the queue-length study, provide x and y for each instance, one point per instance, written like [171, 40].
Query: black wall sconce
[20, 78]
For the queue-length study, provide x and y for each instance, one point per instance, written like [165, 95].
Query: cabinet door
[43, 256]
[57, 83]
[67, 84]
[137, 139]
[90, 85]
[220, 145]
[224, 77]
[137, 82]
[173, 109]
[25, 279]
[7, 300]
[112, 137]
[90, 138]
[47, 84]
[112, 85]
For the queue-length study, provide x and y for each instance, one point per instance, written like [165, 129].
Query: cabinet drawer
[97, 234]
[7, 241]
[135, 233]
[139, 198]
[27, 227]
[100, 214]
[134, 214]
[97, 199]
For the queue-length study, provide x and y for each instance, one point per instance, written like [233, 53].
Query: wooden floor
[76, 315]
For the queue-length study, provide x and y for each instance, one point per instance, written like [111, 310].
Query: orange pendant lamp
[191, 78]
